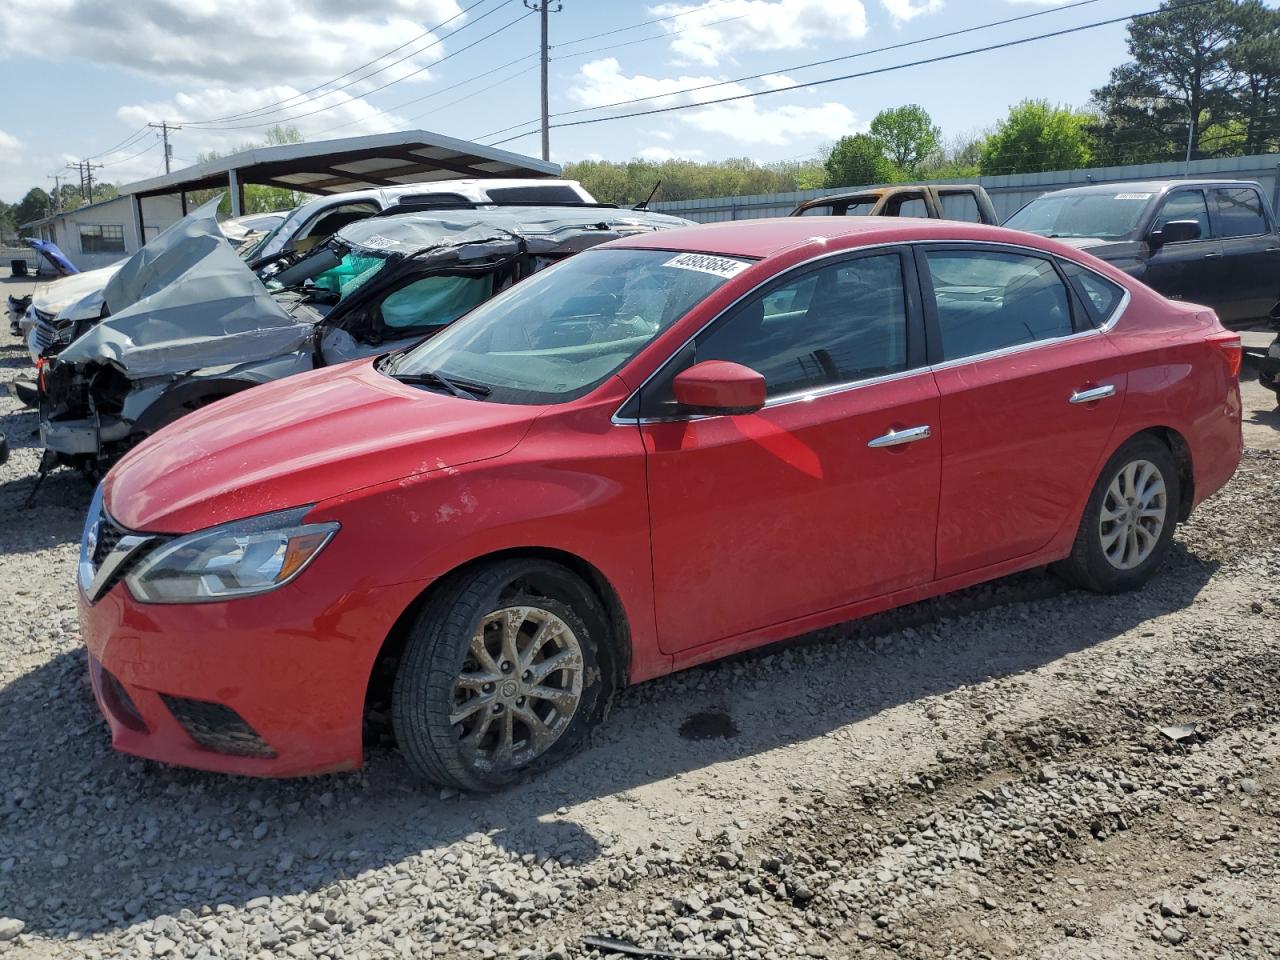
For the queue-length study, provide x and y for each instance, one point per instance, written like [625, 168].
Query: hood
[56, 258]
[302, 440]
[186, 303]
[1106, 249]
[57, 295]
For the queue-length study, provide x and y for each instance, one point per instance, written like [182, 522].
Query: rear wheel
[1128, 523]
[501, 676]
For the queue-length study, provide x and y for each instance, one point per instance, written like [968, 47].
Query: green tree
[909, 136]
[257, 198]
[1036, 136]
[1255, 61]
[34, 206]
[1196, 67]
[631, 181]
[857, 161]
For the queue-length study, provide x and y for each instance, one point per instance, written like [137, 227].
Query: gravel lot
[981, 775]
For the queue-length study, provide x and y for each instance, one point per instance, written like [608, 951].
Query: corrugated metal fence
[1008, 193]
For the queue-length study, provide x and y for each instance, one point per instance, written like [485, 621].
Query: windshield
[1107, 216]
[254, 250]
[560, 333]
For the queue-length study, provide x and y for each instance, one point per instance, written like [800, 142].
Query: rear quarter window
[1101, 297]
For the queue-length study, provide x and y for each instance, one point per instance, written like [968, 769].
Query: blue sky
[89, 75]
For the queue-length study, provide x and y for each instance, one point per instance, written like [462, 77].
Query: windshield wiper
[459, 388]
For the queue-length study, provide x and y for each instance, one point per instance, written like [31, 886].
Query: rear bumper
[270, 686]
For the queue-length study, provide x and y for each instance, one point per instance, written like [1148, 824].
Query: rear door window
[1239, 212]
[1184, 205]
[960, 205]
[987, 301]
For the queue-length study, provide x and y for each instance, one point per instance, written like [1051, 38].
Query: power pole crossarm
[164, 127]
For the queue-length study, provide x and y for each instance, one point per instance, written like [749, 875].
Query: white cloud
[9, 147]
[777, 81]
[747, 120]
[351, 117]
[904, 10]
[707, 31]
[254, 42]
[657, 154]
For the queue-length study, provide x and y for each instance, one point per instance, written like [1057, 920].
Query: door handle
[1272, 250]
[897, 437]
[1095, 393]
[1212, 256]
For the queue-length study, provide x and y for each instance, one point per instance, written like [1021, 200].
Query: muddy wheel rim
[519, 688]
[1133, 514]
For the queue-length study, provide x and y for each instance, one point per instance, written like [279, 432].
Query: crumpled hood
[187, 301]
[55, 297]
[302, 440]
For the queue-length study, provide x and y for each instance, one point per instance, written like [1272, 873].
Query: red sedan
[660, 452]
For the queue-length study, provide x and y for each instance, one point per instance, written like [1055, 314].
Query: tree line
[1203, 80]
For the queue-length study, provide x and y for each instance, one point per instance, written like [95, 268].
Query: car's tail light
[1228, 345]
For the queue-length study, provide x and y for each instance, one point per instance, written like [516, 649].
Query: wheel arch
[603, 612]
[1181, 451]
[170, 405]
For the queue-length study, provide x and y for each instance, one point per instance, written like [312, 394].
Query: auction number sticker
[1133, 196]
[705, 263]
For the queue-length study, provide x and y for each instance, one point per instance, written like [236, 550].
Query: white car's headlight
[238, 559]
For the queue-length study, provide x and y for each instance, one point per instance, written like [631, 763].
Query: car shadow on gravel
[91, 840]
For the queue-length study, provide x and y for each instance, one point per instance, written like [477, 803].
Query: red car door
[814, 501]
[1030, 392]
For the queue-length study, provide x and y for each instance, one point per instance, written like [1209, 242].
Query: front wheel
[1129, 520]
[501, 675]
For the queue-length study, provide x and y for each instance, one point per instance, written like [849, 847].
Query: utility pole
[57, 191]
[85, 168]
[164, 127]
[544, 7]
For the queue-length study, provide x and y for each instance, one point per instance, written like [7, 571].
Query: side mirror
[1176, 231]
[718, 386]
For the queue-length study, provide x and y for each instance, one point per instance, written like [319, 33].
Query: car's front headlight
[238, 559]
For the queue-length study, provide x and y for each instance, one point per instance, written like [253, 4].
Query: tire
[430, 697]
[1105, 563]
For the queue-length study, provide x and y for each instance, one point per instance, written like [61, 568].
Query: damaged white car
[193, 324]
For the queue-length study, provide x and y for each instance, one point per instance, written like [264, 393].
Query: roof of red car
[763, 238]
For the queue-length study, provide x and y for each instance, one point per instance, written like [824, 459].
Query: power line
[645, 23]
[865, 73]
[123, 144]
[116, 163]
[439, 93]
[805, 66]
[391, 83]
[425, 33]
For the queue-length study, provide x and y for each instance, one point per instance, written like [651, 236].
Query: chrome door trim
[895, 438]
[1094, 394]
[834, 388]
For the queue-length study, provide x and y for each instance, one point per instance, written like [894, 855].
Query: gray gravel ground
[982, 775]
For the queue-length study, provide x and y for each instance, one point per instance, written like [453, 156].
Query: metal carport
[339, 166]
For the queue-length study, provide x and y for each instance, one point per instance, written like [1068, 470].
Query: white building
[104, 232]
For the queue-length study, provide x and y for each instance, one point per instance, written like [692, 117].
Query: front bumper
[73, 437]
[269, 686]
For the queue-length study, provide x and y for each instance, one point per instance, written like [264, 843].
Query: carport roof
[351, 163]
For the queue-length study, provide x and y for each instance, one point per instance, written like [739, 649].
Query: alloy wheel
[519, 688]
[1133, 514]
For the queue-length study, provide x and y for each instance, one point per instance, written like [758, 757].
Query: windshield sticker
[379, 242]
[704, 263]
[1133, 196]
